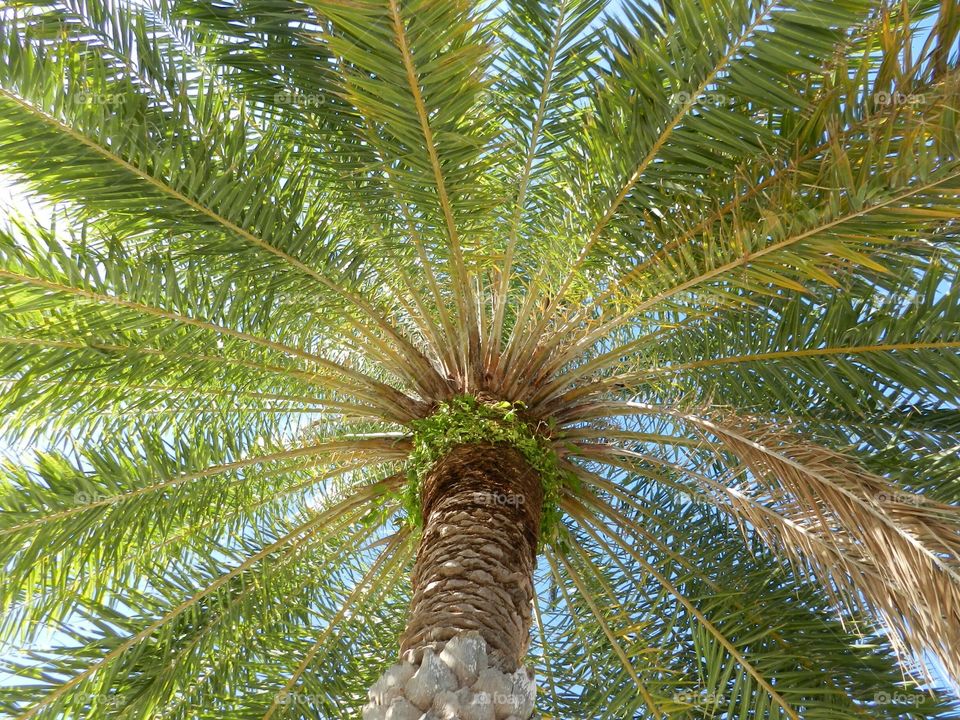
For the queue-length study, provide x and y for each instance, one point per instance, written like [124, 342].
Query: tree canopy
[705, 249]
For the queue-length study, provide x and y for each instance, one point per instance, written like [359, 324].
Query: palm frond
[708, 249]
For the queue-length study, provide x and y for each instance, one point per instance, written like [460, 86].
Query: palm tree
[406, 355]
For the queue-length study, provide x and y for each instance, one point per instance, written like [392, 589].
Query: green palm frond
[708, 250]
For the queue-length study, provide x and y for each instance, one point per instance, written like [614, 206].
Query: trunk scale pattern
[470, 615]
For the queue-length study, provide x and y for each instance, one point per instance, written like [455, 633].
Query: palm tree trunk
[470, 616]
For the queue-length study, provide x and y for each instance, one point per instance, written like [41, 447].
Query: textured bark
[474, 567]
[469, 623]
[454, 685]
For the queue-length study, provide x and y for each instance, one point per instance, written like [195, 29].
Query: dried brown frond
[870, 543]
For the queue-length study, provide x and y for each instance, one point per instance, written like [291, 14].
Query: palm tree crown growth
[610, 347]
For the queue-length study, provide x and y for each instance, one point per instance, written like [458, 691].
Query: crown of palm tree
[707, 249]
